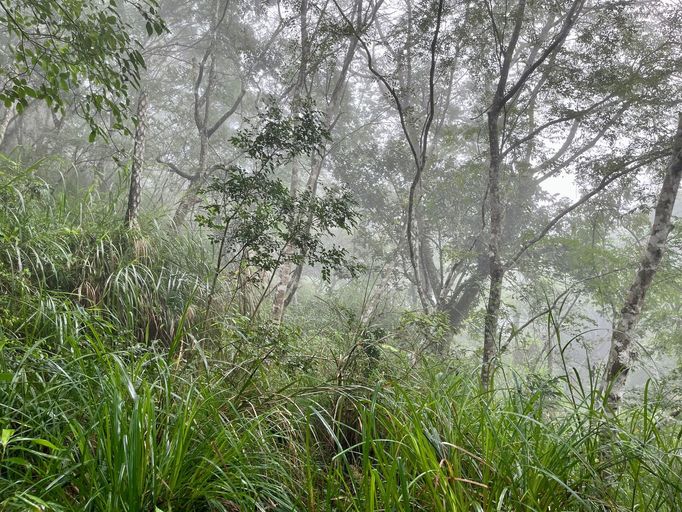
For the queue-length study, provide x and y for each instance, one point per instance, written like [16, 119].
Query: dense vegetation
[289, 256]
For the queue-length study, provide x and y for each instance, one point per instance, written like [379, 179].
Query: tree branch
[227, 114]
[174, 168]
[605, 181]
[558, 40]
[577, 115]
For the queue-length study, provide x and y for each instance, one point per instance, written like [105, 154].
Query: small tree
[621, 356]
[253, 218]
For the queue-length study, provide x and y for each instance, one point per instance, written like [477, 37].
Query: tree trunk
[496, 268]
[202, 109]
[293, 279]
[621, 356]
[458, 307]
[189, 200]
[132, 212]
[286, 270]
[5, 121]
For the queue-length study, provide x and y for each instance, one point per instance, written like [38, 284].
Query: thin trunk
[189, 200]
[621, 356]
[286, 270]
[430, 273]
[549, 351]
[293, 279]
[496, 268]
[190, 197]
[504, 94]
[4, 124]
[132, 212]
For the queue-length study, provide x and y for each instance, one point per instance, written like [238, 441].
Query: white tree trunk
[286, 270]
[621, 355]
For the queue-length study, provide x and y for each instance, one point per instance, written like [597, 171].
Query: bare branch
[571, 16]
[577, 115]
[174, 168]
[227, 114]
[516, 331]
[604, 182]
[579, 151]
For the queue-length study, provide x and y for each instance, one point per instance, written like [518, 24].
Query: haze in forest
[352, 255]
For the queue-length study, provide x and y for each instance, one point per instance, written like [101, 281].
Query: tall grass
[92, 428]
[113, 399]
[439, 444]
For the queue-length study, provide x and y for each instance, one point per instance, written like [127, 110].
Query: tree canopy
[83, 53]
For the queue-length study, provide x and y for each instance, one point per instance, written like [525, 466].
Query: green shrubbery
[118, 394]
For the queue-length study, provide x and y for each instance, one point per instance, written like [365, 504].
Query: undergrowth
[118, 394]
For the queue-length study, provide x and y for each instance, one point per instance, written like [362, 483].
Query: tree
[252, 216]
[309, 78]
[549, 108]
[548, 68]
[135, 191]
[621, 357]
[418, 113]
[233, 52]
[506, 90]
[54, 48]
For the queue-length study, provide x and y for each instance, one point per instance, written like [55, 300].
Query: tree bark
[190, 198]
[459, 306]
[621, 355]
[376, 293]
[496, 268]
[5, 121]
[286, 270]
[132, 213]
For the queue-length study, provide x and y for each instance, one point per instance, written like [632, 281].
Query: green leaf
[45, 443]
[16, 460]
[5, 436]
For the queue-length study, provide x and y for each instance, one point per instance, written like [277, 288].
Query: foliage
[71, 249]
[253, 216]
[104, 429]
[260, 417]
[431, 331]
[127, 384]
[56, 47]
